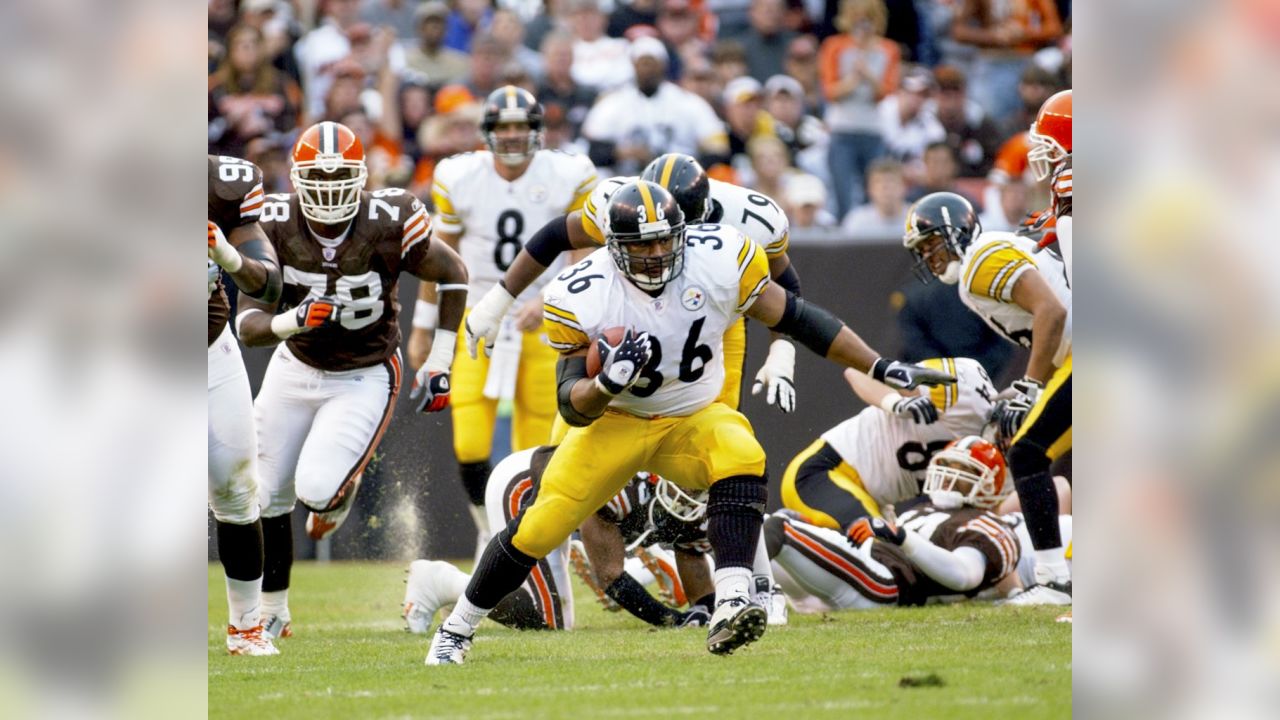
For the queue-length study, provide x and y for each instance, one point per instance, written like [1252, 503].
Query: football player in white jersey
[701, 199]
[1025, 296]
[487, 204]
[878, 457]
[649, 400]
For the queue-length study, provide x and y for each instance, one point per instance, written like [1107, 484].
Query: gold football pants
[824, 488]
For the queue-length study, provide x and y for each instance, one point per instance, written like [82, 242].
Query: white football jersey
[496, 217]
[671, 120]
[724, 272]
[991, 266]
[890, 453]
[755, 214]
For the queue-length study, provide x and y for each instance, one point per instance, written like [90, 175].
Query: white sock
[732, 582]
[276, 603]
[465, 617]
[1051, 564]
[244, 601]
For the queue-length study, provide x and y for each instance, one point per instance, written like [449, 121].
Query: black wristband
[549, 241]
[631, 595]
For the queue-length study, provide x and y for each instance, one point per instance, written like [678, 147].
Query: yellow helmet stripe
[666, 170]
[511, 96]
[649, 212]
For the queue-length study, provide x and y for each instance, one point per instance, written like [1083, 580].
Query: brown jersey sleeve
[235, 192]
[986, 533]
[1061, 186]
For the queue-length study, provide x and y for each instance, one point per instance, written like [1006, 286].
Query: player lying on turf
[651, 403]
[948, 542]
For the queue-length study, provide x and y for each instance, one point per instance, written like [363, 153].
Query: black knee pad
[1027, 458]
[774, 531]
[474, 478]
[738, 494]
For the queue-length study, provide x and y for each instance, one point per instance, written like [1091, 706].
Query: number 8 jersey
[724, 273]
[495, 217]
[390, 232]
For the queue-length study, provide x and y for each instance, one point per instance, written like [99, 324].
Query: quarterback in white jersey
[878, 457]
[650, 404]
[487, 204]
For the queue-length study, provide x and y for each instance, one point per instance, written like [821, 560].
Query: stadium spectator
[271, 154]
[745, 118]
[413, 103]
[468, 18]
[971, 133]
[885, 214]
[452, 128]
[858, 68]
[345, 90]
[729, 60]
[248, 98]
[907, 120]
[934, 322]
[806, 137]
[387, 166]
[489, 59]
[732, 16]
[1007, 214]
[801, 63]
[805, 201]
[599, 61]
[399, 15]
[938, 174]
[678, 25]
[274, 19]
[767, 37]
[627, 15]
[628, 128]
[552, 17]
[558, 93]
[1005, 34]
[439, 64]
[700, 78]
[508, 30]
[1011, 165]
[319, 51]
[1035, 85]
[771, 167]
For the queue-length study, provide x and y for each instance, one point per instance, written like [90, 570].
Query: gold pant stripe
[843, 476]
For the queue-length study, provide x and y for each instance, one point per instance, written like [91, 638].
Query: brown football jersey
[235, 200]
[950, 529]
[390, 233]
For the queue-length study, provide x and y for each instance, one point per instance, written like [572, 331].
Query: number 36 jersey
[495, 217]
[724, 272]
[390, 233]
[891, 453]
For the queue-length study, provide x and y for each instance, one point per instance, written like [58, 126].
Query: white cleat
[735, 623]
[421, 599]
[276, 626]
[251, 641]
[582, 568]
[1051, 593]
[447, 648]
[777, 606]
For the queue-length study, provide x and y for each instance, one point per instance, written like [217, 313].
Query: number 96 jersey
[724, 273]
[495, 217]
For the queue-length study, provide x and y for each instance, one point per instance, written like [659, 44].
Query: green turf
[351, 658]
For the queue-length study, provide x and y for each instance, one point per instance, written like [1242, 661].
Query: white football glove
[485, 319]
[1029, 388]
[221, 251]
[776, 374]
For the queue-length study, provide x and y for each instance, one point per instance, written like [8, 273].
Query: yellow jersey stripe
[779, 246]
[563, 315]
[937, 395]
[666, 170]
[747, 246]
[1002, 279]
[755, 292]
[588, 183]
[578, 201]
[981, 258]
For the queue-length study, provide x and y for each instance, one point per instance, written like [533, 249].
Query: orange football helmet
[969, 471]
[328, 172]
[1050, 135]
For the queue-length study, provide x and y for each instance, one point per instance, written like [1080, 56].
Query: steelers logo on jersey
[694, 298]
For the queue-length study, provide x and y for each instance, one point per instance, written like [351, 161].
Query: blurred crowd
[843, 110]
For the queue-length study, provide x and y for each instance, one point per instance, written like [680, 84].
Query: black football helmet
[687, 182]
[510, 104]
[639, 213]
[944, 215]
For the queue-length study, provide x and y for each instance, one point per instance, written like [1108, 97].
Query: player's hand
[431, 390]
[869, 528]
[1028, 388]
[485, 319]
[917, 407]
[221, 251]
[318, 312]
[696, 616]
[906, 376]
[620, 365]
[776, 374]
[1009, 414]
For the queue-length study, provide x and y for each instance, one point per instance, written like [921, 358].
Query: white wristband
[227, 257]
[442, 349]
[888, 401]
[425, 315]
[285, 325]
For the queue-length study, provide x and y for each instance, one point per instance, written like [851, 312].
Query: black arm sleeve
[602, 153]
[270, 291]
[631, 595]
[789, 280]
[809, 325]
[550, 240]
[568, 371]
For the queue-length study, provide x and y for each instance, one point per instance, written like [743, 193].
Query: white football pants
[233, 447]
[317, 429]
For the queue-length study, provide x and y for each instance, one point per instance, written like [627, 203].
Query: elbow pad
[550, 240]
[789, 280]
[270, 290]
[568, 372]
[809, 325]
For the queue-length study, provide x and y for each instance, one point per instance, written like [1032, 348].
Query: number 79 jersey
[724, 273]
[495, 217]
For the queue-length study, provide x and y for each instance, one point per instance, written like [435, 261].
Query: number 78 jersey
[724, 273]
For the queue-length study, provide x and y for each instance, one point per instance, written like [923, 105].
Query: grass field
[351, 658]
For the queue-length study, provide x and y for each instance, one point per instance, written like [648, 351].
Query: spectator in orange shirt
[1006, 34]
[858, 68]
